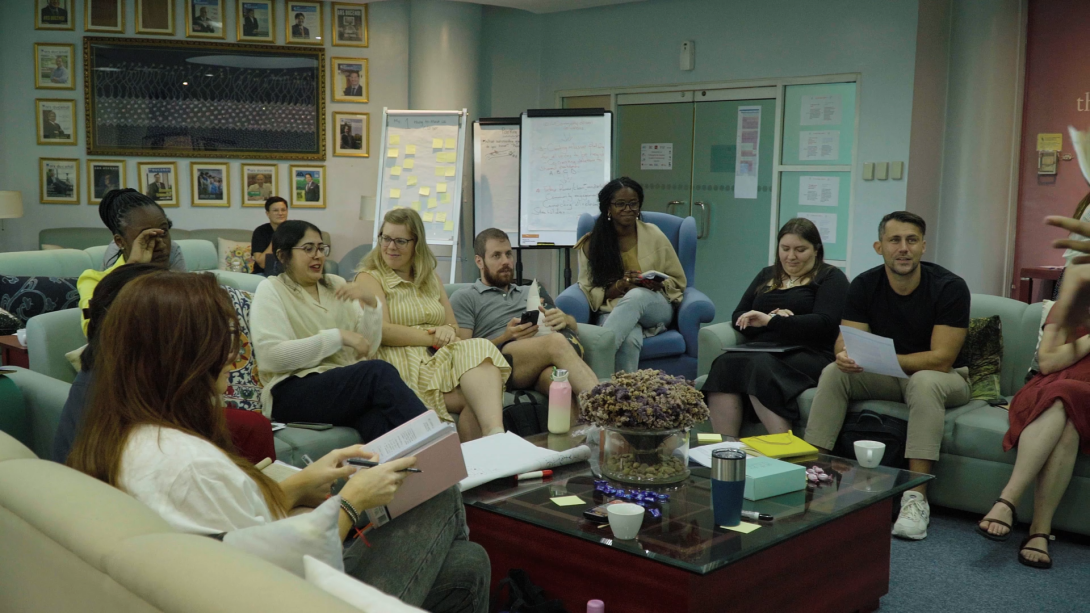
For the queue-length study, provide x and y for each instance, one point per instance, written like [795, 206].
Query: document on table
[874, 353]
[702, 455]
[508, 454]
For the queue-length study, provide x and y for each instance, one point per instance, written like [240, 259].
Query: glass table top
[685, 535]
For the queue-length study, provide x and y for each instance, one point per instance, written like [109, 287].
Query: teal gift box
[767, 477]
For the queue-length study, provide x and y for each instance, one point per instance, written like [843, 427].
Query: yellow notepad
[779, 445]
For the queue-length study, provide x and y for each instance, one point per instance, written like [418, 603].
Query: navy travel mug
[728, 485]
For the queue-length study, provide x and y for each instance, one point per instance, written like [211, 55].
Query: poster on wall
[210, 183]
[307, 186]
[819, 191]
[254, 21]
[304, 20]
[820, 110]
[349, 25]
[822, 145]
[58, 181]
[53, 66]
[747, 147]
[656, 156]
[349, 79]
[159, 181]
[204, 18]
[104, 15]
[56, 122]
[155, 17]
[104, 176]
[258, 183]
[54, 15]
[826, 225]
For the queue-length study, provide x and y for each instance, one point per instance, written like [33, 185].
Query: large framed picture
[210, 183]
[54, 15]
[349, 25]
[303, 21]
[155, 17]
[353, 134]
[203, 99]
[259, 182]
[56, 121]
[256, 21]
[53, 66]
[104, 15]
[103, 176]
[348, 76]
[308, 186]
[58, 181]
[158, 181]
[204, 18]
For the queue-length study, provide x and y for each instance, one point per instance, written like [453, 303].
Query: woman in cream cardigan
[611, 259]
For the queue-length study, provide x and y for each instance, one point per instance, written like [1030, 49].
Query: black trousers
[368, 396]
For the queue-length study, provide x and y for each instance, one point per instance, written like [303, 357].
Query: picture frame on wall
[210, 183]
[255, 21]
[353, 136]
[204, 18]
[58, 181]
[259, 182]
[155, 17]
[102, 177]
[302, 22]
[53, 66]
[104, 15]
[56, 122]
[350, 23]
[158, 181]
[308, 185]
[349, 79]
[54, 15]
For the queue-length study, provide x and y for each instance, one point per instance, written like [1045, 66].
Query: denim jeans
[639, 309]
[424, 559]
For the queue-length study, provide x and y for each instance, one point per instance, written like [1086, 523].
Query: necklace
[791, 281]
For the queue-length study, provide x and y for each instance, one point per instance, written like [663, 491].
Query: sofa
[81, 545]
[972, 467]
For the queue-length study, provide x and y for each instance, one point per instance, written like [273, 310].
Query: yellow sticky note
[441, 188]
[428, 216]
[447, 157]
[425, 191]
[409, 164]
[415, 206]
[396, 171]
[395, 193]
[432, 203]
[451, 143]
[450, 171]
[411, 181]
[744, 527]
[448, 226]
[410, 149]
[440, 171]
[440, 217]
[436, 143]
[567, 501]
[445, 198]
[391, 153]
[709, 438]
[395, 139]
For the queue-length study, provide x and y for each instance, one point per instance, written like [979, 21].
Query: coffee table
[827, 548]
[14, 352]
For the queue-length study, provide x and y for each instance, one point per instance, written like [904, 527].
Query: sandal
[1000, 537]
[1035, 563]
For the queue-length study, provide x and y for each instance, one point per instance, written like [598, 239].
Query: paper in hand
[1081, 143]
[875, 354]
[533, 301]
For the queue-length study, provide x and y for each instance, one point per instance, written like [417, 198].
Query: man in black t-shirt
[924, 308]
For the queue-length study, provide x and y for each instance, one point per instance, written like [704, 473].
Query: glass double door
[712, 161]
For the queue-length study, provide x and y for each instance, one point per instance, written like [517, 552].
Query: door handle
[670, 206]
[705, 220]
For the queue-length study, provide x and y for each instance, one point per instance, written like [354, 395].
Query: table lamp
[11, 206]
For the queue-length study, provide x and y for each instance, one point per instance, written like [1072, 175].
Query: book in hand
[762, 347]
[654, 275]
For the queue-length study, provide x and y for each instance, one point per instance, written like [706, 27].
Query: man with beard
[493, 308]
[924, 308]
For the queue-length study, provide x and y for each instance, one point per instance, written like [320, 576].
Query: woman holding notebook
[790, 317]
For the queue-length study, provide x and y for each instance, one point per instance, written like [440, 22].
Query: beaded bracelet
[353, 514]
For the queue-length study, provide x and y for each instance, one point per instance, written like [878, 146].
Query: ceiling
[534, 6]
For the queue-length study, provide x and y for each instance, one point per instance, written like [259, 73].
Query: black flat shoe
[999, 537]
[1035, 563]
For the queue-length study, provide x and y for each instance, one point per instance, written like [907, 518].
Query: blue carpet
[956, 569]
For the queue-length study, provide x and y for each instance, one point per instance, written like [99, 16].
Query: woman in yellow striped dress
[419, 331]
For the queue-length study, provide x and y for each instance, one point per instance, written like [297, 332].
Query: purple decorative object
[655, 513]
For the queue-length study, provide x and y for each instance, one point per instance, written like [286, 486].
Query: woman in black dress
[796, 301]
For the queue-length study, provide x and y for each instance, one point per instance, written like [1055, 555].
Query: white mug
[625, 519]
[869, 453]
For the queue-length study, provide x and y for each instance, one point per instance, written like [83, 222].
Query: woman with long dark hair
[797, 301]
[611, 259]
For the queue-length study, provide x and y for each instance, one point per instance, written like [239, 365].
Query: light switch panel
[896, 170]
[881, 171]
[868, 171]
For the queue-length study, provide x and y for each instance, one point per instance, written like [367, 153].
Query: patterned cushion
[243, 383]
[25, 297]
[9, 324]
[235, 256]
[983, 350]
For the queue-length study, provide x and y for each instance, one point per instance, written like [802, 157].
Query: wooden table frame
[14, 354]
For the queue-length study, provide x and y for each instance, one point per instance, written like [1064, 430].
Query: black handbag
[871, 426]
[525, 597]
[525, 416]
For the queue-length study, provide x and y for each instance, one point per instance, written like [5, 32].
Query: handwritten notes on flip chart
[496, 178]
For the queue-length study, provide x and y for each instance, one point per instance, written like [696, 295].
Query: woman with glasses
[419, 331]
[315, 348]
[611, 258]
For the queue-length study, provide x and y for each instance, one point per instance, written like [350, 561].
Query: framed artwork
[54, 15]
[58, 181]
[104, 15]
[349, 25]
[184, 98]
[303, 23]
[349, 79]
[158, 181]
[210, 183]
[204, 18]
[103, 176]
[307, 186]
[353, 134]
[155, 17]
[53, 66]
[56, 121]
[259, 182]
[256, 21]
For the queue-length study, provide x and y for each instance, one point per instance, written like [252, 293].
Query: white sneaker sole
[910, 537]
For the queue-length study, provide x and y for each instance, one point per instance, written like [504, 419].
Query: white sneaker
[914, 517]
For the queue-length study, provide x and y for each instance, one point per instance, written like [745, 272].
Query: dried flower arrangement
[645, 399]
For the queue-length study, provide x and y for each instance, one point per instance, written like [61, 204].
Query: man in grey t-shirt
[492, 309]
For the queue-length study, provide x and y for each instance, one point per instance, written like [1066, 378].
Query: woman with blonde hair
[419, 331]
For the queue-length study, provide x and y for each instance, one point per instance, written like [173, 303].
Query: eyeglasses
[310, 249]
[633, 205]
[400, 242]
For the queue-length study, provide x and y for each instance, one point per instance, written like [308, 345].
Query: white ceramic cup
[869, 453]
[20, 334]
[625, 519]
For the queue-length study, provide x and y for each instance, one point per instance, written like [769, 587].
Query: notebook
[779, 445]
[762, 347]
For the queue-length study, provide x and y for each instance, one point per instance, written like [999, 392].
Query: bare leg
[773, 422]
[726, 413]
[536, 356]
[918, 465]
[482, 387]
[469, 428]
[1051, 485]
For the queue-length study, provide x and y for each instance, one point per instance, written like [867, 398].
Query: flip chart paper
[445, 198]
[874, 353]
[410, 149]
[415, 205]
[395, 139]
[447, 157]
[440, 171]
[391, 153]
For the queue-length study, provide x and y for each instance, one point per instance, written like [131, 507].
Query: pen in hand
[372, 464]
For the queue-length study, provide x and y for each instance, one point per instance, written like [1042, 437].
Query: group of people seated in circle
[145, 412]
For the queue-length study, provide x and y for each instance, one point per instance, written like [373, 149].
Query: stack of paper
[703, 455]
[508, 454]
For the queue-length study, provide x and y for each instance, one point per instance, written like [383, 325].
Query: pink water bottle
[559, 402]
[596, 606]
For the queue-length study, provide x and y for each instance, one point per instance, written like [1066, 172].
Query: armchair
[674, 350]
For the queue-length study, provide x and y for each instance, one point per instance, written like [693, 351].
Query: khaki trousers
[927, 393]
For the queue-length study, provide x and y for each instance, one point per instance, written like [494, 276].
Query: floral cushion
[983, 350]
[243, 382]
[235, 256]
[25, 297]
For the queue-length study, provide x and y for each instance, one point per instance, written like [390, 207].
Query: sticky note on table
[440, 217]
[410, 164]
[411, 181]
[391, 153]
[450, 171]
[396, 171]
[395, 193]
[410, 149]
[744, 527]
[415, 205]
[428, 216]
[432, 203]
[445, 198]
[436, 143]
[395, 139]
[448, 226]
[441, 188]
[704, 437]
[425, 191]
[567, 501]
[451, 143]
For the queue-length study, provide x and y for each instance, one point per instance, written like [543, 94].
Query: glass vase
[646, 457]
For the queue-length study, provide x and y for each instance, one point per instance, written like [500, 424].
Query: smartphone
[598, 514]
[309, 425]
[528, 317]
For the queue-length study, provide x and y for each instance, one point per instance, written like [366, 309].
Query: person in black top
[924, 308]
[796, 301]
[276, 208]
